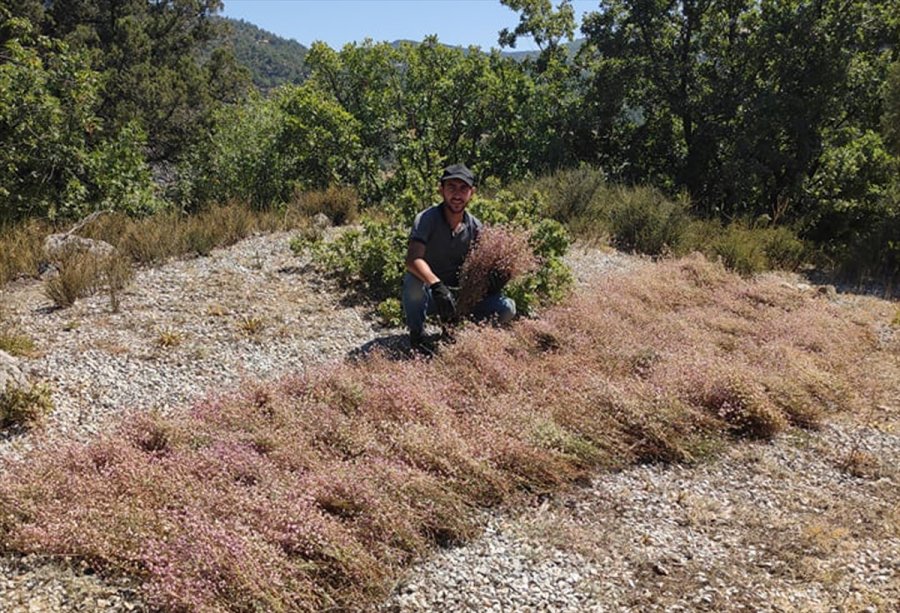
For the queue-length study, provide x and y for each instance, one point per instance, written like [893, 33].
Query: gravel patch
[776, 526]
[252, 311]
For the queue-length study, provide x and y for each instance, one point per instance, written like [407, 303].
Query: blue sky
[337, 22]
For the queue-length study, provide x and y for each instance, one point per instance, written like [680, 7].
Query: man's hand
[497, 280]
[443, 301]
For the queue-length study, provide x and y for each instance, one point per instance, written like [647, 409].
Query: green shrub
[783, 249]
[373, 256]
[748, 250]
[740, 250]
[24, 408]
[570, 193]
[643, 220]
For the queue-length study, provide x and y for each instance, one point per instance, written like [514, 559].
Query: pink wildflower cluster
[500, 249]
[313, 492]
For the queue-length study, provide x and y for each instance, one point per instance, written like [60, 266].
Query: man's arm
[416, 264]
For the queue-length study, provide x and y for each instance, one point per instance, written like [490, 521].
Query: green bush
[55, 159]
[643, 220]
[745, 249]
[570, 193]
[240, 159]
[373, 256]
[783, 249]
[740, 250]
[24, 408]
[265, 150]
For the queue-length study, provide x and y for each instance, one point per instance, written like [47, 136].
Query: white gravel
[253, 311]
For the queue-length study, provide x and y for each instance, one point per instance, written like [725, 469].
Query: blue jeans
[417, 305]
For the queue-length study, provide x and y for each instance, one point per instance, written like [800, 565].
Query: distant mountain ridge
[274, 60]
[271, 59]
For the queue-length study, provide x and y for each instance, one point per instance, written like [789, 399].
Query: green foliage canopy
[735, 101]
[148, 53]
[55, 158]
[263, 150]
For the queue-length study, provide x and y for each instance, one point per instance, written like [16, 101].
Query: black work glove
[443, 300]
[497, 280]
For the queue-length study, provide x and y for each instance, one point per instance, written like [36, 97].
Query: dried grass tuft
[501, 249]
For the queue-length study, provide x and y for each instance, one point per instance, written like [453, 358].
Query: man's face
[456, 194]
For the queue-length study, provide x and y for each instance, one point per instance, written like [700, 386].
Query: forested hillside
[271, 59]
[745, 116]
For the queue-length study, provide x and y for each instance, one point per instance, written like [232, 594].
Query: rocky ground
[809, 522]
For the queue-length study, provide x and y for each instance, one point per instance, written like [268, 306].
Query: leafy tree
[148, 55]
[262, 150]
[735, 101]
[548, 28]
[55, 158]
[421, 106]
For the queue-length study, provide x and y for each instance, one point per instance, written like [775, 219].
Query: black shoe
[422, 344]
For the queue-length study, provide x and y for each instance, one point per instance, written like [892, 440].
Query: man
[438, 243]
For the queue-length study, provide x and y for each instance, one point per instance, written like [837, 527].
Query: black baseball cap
[458, 171]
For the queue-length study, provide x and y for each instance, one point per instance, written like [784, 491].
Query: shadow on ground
[393, 346]
[396, 347]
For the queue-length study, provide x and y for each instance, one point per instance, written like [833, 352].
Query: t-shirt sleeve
[422, 228]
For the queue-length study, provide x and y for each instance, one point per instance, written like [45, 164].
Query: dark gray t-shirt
[444, 250]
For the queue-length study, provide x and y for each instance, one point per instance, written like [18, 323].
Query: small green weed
[24, 408]
[390, 311]
[16, 344]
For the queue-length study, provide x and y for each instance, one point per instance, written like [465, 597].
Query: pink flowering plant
[315, 491]
[501, 250]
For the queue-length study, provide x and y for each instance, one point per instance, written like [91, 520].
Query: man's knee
[413, 289]
[507, 310]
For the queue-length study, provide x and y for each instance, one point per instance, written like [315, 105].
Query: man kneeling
[440, 239]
